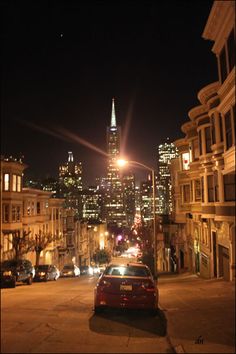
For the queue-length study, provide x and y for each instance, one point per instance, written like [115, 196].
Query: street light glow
[122, 162]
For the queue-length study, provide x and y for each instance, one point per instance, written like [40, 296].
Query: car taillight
[148, 286]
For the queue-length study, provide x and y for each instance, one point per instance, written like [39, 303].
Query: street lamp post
[122, 163]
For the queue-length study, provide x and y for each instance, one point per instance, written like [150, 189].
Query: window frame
[228, 130]
[230, 199]
[6, 183]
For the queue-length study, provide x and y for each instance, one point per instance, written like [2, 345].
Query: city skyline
[59, 79]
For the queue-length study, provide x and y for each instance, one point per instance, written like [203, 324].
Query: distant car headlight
[42, 273]
[7, 273]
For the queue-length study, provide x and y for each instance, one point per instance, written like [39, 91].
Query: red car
[126, 286]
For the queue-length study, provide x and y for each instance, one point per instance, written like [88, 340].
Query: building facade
[204, 175]
[165, 153]
[128, 185]
[70, 184]
[28, 211]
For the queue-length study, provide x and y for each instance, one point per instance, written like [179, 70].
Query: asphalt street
[196, 316]
[58, 317]
[200, 313]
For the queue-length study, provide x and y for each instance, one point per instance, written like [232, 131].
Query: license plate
[126, 287]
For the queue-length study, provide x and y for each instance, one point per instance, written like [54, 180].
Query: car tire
[30, 280]
[13, 283]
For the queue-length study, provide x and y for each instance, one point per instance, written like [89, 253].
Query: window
[186, 193]
[223, 68]
[5, 212]
[195, 150]
[216, 186]
[38, 207]
[14, 183]
[228, 130]
[221, 128]
[6, 182]
[18, 183]
[202, 188]
[197, 184]
[208, 139]
[229, 187]
[13, 213]
[231, 50]
[18, 214]
[210, 187]
[7, 242]
[200, 142]
[213, 133]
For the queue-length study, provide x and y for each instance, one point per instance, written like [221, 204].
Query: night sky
[63, 61]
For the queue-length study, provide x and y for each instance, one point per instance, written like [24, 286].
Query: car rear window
[131, 271]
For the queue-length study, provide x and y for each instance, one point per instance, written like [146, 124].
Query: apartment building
[203, 177]
[28, 211]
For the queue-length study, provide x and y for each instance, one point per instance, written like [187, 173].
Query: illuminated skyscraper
[70, 183]
[114, 194]
[92, 204]
[128, 182]
[146, 200]
[166, 152]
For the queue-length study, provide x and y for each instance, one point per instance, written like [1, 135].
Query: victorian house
[203, 177]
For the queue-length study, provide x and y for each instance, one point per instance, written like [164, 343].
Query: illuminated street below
[58, 317]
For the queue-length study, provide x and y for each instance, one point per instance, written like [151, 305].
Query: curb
[176, 348]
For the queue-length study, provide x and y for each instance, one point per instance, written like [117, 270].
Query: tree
[102, 256]
[42, 240]
[21, 243]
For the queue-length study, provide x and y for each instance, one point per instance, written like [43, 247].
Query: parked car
[13, 271]
[84, 270]
[46, 272]
[70, 270]
[126, 286]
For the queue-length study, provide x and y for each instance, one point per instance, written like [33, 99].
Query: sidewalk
[200, 313]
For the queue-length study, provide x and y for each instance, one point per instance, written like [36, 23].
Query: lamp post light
[122, 163]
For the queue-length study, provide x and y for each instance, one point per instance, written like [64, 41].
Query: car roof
[133, 264]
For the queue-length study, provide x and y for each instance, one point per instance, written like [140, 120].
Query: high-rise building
[92, 204]
[166, 152]
[146, 200]
[114, 194]
[70, 184]
[128, 182]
